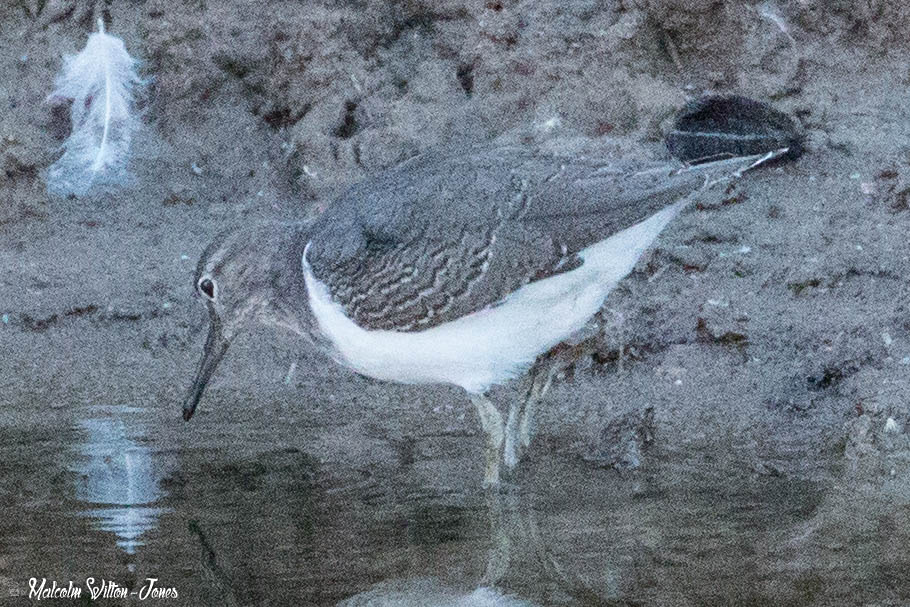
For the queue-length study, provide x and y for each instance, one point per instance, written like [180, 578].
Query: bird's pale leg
[539, 388]
[518, 426]
[491, 422]
[510, 451]
[543, 375]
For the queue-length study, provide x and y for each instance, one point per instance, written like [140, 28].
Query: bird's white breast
[494, 344]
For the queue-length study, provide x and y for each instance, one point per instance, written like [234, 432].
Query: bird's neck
[289, 306]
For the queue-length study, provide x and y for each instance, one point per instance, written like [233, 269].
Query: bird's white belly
[492, 345]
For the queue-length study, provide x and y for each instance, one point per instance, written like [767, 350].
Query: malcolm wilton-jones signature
[96, 589]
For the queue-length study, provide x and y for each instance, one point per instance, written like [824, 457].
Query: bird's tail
[728, 169]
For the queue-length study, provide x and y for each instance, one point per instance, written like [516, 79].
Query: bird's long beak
[215, 347]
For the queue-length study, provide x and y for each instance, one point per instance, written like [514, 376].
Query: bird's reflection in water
[512, 528]
[118, 476]
[618, 541]
[516, 543]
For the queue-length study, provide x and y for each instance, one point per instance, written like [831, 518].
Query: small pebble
[678, 382]
[196, 168]
[167, 305]
[5, 319]
[891, 425]
[859, 247]
[184, 257]
[855, 176]
[745, 250]
[887, 339]
[905, 360]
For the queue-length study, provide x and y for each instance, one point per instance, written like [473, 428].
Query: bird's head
[236, 279]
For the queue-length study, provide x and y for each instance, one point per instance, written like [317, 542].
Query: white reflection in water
[119, 475]
[430, 593]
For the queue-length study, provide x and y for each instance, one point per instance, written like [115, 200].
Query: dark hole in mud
[282, 117]
[829, 377]
[465, 73]
[717, 127]
[348, 127]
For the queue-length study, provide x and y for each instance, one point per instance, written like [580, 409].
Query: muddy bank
[735, 433]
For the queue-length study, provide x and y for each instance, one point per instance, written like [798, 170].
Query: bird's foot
[491, 478]
[513, 450]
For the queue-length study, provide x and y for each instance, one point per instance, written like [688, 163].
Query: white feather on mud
[100, 82]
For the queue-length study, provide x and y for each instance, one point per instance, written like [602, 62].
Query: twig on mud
[213, 570]
[769, 11]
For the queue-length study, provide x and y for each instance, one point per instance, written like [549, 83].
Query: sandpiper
[450, 269]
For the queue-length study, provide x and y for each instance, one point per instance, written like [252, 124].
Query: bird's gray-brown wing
[439, 238]
[422, 282]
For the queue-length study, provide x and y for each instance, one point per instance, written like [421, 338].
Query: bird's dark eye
[207, 287]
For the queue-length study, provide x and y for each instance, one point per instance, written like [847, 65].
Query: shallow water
[109, 495]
